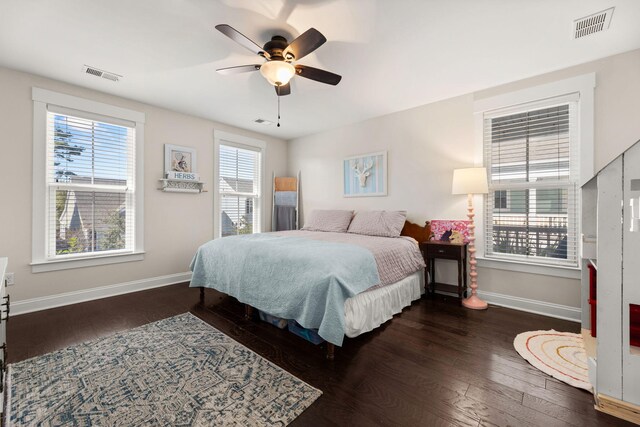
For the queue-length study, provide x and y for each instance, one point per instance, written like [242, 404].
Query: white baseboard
[43, 303]
[533, 306]
[59, 300]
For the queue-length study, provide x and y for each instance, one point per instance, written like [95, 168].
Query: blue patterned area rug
[178, 371]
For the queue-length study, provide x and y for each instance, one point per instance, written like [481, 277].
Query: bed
[340, 284]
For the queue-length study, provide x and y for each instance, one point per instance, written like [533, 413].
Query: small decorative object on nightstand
[445, 250]
[471, 181]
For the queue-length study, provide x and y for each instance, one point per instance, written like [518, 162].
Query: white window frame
[239, 141]
[40, 262]
[582, 85]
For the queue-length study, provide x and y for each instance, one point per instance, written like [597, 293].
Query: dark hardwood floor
[434, 364]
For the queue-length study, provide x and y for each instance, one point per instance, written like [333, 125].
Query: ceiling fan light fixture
[278, 73]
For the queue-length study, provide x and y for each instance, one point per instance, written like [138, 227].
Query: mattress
[368, 310]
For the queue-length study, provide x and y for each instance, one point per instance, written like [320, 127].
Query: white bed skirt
[368, 310]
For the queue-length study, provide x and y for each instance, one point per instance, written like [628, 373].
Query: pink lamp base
[475, 303]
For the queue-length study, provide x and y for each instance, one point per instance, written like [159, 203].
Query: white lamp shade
[277, 72]
[470, 181]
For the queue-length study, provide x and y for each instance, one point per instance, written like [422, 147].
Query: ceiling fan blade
[306, 43]
[283, 90]
[238, 69]
[318, 75]
[240, 38]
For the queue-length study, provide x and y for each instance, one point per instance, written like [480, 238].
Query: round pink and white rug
[559, 354]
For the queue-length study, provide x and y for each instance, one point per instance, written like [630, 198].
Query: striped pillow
[328, 220]
[378, 223]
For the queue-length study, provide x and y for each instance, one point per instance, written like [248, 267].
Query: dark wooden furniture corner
[434, 249]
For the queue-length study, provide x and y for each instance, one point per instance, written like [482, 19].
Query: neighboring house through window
[90, 205]
[239, 175]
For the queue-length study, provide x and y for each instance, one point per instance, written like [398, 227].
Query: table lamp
[471, 181]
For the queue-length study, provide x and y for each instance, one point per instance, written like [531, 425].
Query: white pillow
[378, 223]
[328, 220]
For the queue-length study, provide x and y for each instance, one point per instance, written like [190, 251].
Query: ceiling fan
[280, 56]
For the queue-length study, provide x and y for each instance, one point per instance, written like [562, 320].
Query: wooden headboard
[418, 232]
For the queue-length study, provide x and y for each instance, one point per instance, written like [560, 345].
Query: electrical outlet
[10, 279]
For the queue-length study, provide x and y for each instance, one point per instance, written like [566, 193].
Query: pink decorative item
[446, 227]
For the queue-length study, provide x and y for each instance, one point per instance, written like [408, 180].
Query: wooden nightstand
[445, 250]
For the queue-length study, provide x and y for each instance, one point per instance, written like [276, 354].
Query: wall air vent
[101, 73]
[592, 24]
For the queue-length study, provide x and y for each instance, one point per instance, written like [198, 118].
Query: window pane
[236, 215]
[238, 170]
[239, 187]
[87, 221]
[87, 151]
[535, 224]
[530, 146]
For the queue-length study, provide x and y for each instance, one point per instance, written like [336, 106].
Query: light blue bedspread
[289, 277]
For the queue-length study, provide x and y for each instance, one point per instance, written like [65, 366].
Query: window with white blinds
[531, 211]
[239, 186]
[90, 182]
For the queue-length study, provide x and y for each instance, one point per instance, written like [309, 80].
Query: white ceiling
[393, 55]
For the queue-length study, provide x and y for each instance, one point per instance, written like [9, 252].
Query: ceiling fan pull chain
[278, 106]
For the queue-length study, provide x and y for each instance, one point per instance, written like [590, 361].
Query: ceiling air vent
[101, 73]
[592, 24]
[263, 122]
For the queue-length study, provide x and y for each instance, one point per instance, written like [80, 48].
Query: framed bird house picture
[365, 175]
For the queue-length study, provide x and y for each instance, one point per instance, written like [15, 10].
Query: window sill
[90, 261]
[523, 267]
